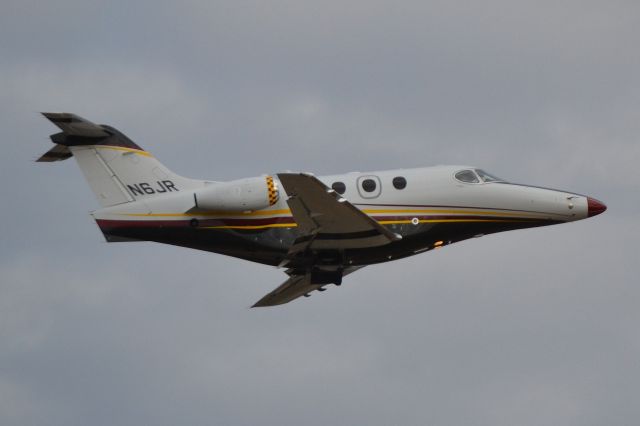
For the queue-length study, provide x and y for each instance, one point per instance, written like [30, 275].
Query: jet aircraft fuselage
[428, 207]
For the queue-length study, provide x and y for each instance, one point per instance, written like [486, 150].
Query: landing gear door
[369, 186]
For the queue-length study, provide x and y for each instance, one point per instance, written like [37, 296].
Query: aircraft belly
[424, 237]
[264, 246]
[270, 245]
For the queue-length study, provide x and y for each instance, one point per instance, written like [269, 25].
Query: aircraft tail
[117, 169]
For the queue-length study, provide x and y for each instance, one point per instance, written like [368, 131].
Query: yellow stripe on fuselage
[508, 216]
[442, 211]
[381, 222]
[212, 213]
[406, 222]
[224, 214]
[273, 225]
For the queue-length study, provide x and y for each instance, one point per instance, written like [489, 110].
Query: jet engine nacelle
[238, 195]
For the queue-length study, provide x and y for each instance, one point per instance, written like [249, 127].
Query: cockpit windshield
[476, 176]
[487, 177]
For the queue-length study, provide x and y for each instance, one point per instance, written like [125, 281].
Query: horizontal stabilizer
[57, 153]
[73, 125]
[78, 131]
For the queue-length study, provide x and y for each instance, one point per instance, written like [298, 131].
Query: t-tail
[117, 169]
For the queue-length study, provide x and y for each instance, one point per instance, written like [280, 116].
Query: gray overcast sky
[535, 327]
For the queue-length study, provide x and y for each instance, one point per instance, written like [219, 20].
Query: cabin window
[467, 176]
[339, 187]
[369, 185]
[399, 182]
[487, 177]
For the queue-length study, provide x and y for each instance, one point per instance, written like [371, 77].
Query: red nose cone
[595, 207]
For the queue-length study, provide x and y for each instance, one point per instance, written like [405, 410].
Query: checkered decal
[273, 191]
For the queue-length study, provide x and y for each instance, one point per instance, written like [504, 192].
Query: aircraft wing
[326, 220]
[296, 286]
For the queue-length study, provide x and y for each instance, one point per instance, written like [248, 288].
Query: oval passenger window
[339, 187]
[369, 185]
[399, 182]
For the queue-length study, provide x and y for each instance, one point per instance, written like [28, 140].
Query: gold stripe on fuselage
[273, 225]
[222, 215]
[503, 217]
[443, 211]
[381, 222]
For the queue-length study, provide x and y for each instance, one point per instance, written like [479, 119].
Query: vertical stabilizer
[117, 169]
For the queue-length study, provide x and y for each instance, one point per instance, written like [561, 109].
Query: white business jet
[318, 228]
